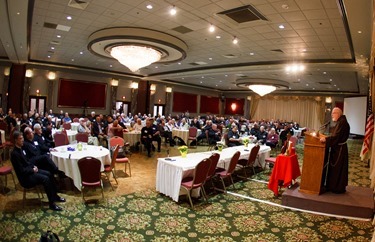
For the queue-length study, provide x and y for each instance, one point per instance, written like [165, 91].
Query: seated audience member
[205, 131]
[39, 140]
[25, 120]
[98, 132]
[29, 174]
[11, 120]
[234, 137]
[255, 130]
[183, 124]
[155, 135]
[272, 138]
[168, 132]
[147, 136]
[82, 128]
[196, 123]
[121, 122]
[262, 135]
[214, 135]
[284, 134]
[138, 125]
[35, 155]
[291, 130]
[114, 129]
[295, 126]
[61, 116]
[66, 119]
[50, 113]
[92, 117]
[47, 134]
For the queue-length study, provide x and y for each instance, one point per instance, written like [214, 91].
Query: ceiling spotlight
[251, 53]
[212, 28]
[281, 26]
[58, 36]
[173, 11]
[69, 17]
[218, 37]
[235, 40]
[149, 6]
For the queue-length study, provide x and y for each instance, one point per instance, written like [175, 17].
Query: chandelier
[262, 90]
[135, 57]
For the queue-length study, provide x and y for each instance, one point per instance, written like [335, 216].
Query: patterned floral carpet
[149, 216]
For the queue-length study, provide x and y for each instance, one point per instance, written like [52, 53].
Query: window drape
[307, 111]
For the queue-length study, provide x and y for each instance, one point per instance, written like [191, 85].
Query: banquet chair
[9, 144]
[117, 132]
[82, 137]
[5, 171]
[121, 143]
[192, 135]
[60, 139]
[35, 189]
[197, 180]
[250, 162]
[89, 168]
[215, 157]
[4, 126]
[223, 173]
[118, 140]
[76, 120]
[111, 167]
[67, 126]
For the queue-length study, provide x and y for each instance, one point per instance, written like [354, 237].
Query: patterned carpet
[149, 216]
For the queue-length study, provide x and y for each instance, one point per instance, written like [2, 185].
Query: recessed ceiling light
[307, 84]
[210, 58]
[324, 72]
[313, 88]
[235, 40]
[52, 48]
[202, 77]
[173, 11]
[334, 85]
[72, 59]
[281, 26]
[226, 75]
[359, 32]
[212, 28]
[81, 53]
[251, 53]
[48, 56]
[179, 63]
[58, 36]
[18, 13]
[201, 82]
[330, 80]
[69, 17]
[149, 6]
[285, 6]
[216, 85]
[338, 89]
[218, 37]
[156, 67]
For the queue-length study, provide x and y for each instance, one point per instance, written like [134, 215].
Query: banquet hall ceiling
[332, 38]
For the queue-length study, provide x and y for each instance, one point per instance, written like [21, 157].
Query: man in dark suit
[34, 153]
[98, 131]
[30, 175]
[147, 136]
[44, 146]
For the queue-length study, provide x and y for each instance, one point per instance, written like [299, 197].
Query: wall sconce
[123, 97]
[29, 73]
[159, 101]
[114, 82]
[328, 99]
[134, 85]
[6, 71]
[168, 89]
[51, 75]
[37, 91]
[153, 87]
[233, 106]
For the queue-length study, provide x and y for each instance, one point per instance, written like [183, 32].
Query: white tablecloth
[170, 173]
[297, 132]
[70, 165]
[183, 134]
[132, 137]
[74, 126]
[71, 135]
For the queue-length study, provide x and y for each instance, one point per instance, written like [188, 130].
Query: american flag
[367, 142]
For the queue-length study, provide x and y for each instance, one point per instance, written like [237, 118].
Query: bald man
[336, 156]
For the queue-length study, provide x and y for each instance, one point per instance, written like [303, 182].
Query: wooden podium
[313, 163]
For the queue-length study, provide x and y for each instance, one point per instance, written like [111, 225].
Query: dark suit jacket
[42, 144]
[22, 166]
[96, 130]
[31, 149]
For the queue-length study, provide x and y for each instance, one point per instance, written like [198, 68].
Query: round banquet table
[67, 161]
[132, 137]
[71, 134]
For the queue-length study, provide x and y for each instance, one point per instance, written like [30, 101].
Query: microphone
[325, 125]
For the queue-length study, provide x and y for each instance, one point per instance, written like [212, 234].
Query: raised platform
[356, 202]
